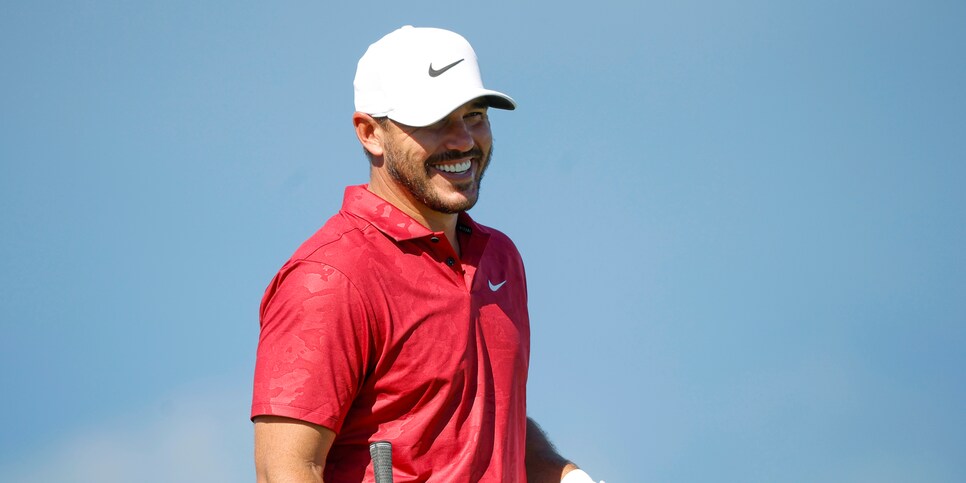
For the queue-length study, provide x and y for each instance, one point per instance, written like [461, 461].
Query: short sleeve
[313, 346]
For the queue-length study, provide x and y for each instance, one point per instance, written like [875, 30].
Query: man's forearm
[543, 463]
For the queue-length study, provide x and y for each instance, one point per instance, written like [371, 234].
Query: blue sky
[743, 225]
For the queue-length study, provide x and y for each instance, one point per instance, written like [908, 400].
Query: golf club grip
[381, 452]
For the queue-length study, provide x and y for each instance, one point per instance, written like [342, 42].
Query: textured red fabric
[376, 329]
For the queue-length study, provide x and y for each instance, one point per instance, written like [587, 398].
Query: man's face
[441, 165]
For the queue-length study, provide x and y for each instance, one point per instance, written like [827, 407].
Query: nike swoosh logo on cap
[436, 73]
[496, 287]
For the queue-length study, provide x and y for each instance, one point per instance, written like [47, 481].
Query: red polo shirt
[376, 329]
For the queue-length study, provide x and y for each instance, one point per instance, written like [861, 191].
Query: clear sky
[743, 223]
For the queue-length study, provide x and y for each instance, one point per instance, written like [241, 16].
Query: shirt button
[450, 261]
[434, 239]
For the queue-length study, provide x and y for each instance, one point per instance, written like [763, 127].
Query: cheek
[412, 154]
[482, 130]
[419, 151]
[483, 136]
[483, 141]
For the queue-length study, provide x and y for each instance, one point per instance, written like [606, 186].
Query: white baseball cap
[417, 76]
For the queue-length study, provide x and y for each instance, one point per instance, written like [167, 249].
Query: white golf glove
[577, 476]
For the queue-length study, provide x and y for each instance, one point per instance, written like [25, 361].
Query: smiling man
[402, 319]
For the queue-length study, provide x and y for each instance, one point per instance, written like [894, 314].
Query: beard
[416, 177]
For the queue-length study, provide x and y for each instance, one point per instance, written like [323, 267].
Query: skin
[405, 170]
[543, 463]
[293, 451]
[405, 164]
[290, 451]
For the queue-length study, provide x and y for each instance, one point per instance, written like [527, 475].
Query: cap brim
[423, 115]
[500, 101]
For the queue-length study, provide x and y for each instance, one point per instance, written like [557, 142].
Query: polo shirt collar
[392, 221]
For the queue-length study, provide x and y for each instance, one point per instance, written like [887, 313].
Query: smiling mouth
[455, 168]
[455, 162]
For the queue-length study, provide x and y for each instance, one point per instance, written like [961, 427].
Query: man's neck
[439, 222]
[433, 220]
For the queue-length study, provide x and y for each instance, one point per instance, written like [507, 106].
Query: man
[403, 319]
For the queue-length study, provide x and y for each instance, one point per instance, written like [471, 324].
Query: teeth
[455, 168]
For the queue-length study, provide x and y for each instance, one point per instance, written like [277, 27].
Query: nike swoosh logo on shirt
[496, 287]
[436, 73]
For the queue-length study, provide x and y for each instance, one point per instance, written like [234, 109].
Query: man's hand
[544, 464]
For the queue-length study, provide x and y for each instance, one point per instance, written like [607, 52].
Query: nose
[458, 136]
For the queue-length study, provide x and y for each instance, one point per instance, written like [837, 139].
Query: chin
[454, 203]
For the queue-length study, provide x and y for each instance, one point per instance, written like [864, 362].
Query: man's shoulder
[342, 232]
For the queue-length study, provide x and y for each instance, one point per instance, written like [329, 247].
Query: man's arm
[289, 450]
[543, 463]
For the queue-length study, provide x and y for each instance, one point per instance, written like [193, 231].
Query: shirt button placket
[450, 261]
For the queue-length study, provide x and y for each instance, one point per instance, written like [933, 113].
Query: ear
[369, 133]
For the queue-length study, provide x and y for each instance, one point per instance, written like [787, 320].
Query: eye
[475, 116]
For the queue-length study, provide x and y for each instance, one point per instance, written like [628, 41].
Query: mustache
[476, 152]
